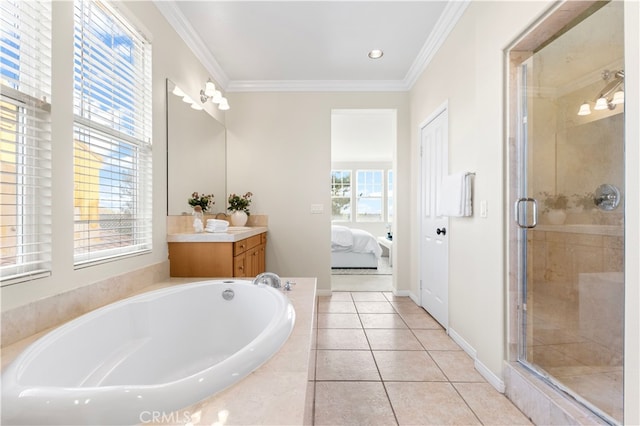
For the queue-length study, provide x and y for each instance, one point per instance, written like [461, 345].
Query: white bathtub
[156, 352]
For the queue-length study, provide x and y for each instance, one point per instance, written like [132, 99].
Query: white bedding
[345, 239]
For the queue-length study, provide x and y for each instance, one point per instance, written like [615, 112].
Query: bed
[353, 248]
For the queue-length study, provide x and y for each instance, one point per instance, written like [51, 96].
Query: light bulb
[601, 104]
[585, 109]
[224, 104]
[217, 97]
[187, 99]
[618, 98]
[177, 91]
[209, 88]
[196, 107]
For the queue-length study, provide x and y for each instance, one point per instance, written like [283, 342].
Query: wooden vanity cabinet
[244, 258]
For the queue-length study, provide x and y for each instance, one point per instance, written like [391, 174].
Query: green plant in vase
[239, 208]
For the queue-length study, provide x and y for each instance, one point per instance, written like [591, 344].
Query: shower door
[570, 213]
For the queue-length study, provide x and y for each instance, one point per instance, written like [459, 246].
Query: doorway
[363, 142]
[568, 205]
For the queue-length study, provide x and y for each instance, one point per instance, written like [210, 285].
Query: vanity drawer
[241, 246]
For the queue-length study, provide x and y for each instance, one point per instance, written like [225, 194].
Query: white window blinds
[112, 136]
[25, 140]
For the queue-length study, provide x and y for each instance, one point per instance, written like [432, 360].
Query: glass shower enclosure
[570, 209]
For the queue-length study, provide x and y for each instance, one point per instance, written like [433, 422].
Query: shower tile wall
[576, 304]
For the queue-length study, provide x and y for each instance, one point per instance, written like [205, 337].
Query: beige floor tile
[392, 297]
[457, 366]
[491, 407]
[392, 339]
[382, 321]
[407, 307]
[368, 296]
[325, 306]
[330, 320]
[361, 283]
[436, 340]
[374, 308]
[345, 365]
[352, 403]
[337, 296]
[428, 403]
[342, 338]
[420, 320]
[410, 366]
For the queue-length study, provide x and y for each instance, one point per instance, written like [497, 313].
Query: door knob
[442, 231]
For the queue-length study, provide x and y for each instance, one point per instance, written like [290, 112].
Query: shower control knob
[442, 231]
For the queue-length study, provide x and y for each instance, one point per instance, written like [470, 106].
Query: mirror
[196, 155]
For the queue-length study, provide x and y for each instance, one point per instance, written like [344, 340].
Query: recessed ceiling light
[376, 54]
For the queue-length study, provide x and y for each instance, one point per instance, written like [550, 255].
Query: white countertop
[235, 233]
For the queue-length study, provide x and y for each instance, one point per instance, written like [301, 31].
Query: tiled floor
[382, 360]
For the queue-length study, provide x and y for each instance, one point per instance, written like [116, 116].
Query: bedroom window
[112, 136]
[341, 195]
[25, 141]
[369, 191]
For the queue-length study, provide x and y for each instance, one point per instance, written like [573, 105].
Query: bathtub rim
[13, 369]
[107, 395]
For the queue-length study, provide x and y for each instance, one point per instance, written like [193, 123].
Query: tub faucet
[268, 278]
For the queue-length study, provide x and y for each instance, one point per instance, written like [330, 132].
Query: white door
[434, 247]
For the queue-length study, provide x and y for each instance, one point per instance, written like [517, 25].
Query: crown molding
[317, 86]
[449, 18]
[184, 29]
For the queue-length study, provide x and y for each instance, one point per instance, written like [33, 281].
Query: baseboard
[323, 292]
[485, 372]
[401, 293]
[413, 297]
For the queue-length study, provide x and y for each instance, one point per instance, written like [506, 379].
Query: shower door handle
[522, 202]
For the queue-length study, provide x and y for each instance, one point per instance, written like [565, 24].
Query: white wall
[279, 148]
[171, 58]
[468, 72]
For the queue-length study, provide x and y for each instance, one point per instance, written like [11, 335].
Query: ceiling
[313, 45]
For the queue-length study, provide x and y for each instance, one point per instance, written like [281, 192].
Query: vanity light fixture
[209, 88]
[178, 92]
[224, 104]
[585, 109]
[210, 93]
[376, 54]
[605, 99]
[618, 98]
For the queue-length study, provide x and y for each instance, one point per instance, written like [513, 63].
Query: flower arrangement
[554, 201]
[203, 201]
[584, 201]
[237, 202]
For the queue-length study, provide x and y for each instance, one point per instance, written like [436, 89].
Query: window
[372, 195]
[112, 136]
[341, 195]
[25, 140]
[369, 195]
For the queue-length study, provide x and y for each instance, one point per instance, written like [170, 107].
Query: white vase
[238, 218]
[556, 216]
